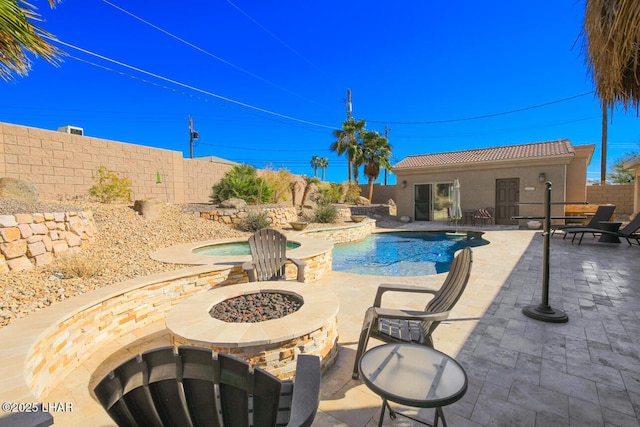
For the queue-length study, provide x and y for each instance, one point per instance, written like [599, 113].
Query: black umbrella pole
[543, 311]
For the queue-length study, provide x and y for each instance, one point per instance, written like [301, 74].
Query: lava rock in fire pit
[256, 307]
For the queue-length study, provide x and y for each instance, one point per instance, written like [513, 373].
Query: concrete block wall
[619, 195]
[62, 166]
[381, 193]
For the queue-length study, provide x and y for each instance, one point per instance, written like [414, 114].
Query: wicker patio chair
[391, 325]
[269, 257]
[195, 388]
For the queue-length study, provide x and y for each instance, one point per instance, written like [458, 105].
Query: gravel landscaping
[123, 242]
[121, 249]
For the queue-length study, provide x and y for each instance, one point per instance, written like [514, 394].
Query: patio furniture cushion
[484, 214]
[391, 325]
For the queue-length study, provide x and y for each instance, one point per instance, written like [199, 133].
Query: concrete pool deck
[521, 371]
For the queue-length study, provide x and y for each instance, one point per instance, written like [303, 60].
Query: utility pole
[386, 135]
[603, 156]
[192, 136]
[348, 104]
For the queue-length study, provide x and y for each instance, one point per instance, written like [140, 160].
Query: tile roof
[560, 147]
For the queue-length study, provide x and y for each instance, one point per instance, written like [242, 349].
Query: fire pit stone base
[271, 344]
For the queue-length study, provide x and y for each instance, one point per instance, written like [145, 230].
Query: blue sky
[265, 82]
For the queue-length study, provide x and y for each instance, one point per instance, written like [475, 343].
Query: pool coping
[184, 253]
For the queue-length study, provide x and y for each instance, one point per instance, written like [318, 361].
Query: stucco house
[503, 178]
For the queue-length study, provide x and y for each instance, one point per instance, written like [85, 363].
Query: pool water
[402, 254]
[232, 249]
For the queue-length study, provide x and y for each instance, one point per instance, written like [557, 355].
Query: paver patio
[521, 371]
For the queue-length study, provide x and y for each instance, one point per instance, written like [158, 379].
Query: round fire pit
[256, 307]
[272, 344]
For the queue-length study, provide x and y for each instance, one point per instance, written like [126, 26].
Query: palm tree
[611, 37]
[376, 152]
[347, 138]
[18, 35]
[323, 163]
[315, 165]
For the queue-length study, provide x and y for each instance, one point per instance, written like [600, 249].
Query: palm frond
[20, 36]
[611, 39]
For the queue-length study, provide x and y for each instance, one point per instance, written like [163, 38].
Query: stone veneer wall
[279, 358]
[28, 240]
[345, 234]
[280, 216]
[72, 340]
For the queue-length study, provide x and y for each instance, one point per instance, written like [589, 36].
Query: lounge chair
[269, 257]
[194, 388]
[628, 232]
[603, 213]
[415, 326]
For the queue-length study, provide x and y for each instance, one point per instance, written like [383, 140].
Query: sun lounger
[603, 213]
[628, 232]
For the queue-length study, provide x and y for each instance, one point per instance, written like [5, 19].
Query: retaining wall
[280, 216]
[30, 240]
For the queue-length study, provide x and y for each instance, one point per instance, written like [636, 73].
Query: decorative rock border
[28, 240]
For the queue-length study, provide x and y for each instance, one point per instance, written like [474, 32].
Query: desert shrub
[80, 266]
[329, 192]
[242, 182]
[325, 213]
[109, 186]
[255, 220]
[279, 181]
[351, 192]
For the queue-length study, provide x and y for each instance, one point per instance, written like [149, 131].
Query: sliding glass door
[431, 201]
[422, 202]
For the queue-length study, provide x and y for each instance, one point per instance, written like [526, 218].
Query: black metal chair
[269, 257]
[195, 388]
[391, 325]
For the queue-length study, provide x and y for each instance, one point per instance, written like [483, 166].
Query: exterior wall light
[404, 183]
[542, 177]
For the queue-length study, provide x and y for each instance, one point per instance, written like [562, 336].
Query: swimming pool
[402, 254]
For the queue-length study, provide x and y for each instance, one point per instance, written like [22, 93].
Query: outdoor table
[413, 375]
[609, 226]
[467, 216]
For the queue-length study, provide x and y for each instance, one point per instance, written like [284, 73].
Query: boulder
[12, 188]
[233, 204]
[149, 208]
[362, 201]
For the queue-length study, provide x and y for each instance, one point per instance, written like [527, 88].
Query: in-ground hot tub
[271, 344]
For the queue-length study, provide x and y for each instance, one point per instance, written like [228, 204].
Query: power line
[274, 36]
[224, 98]
[206, 52]
[485, 116]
